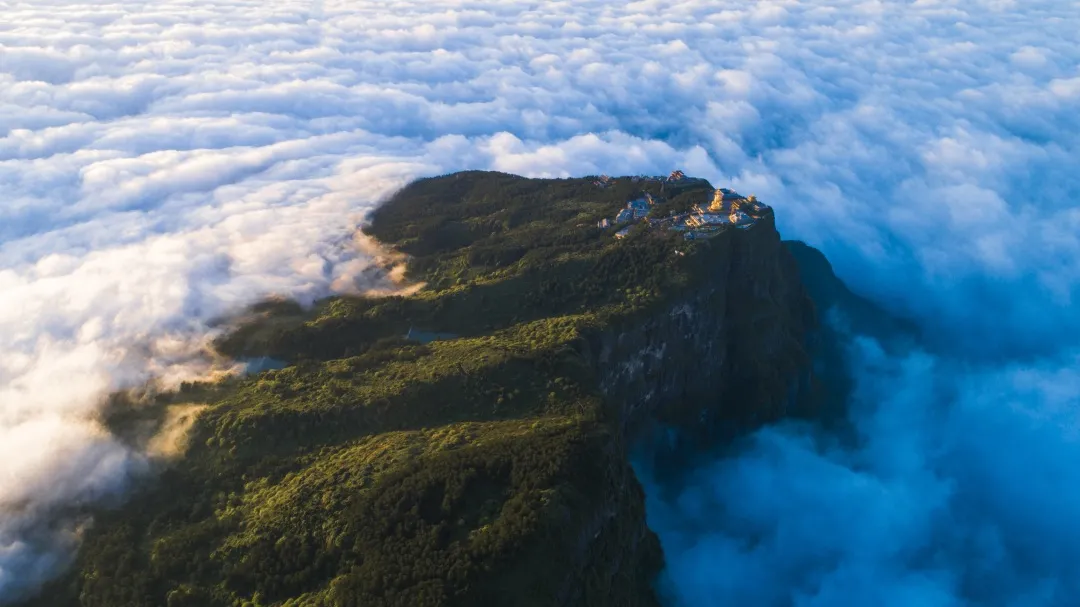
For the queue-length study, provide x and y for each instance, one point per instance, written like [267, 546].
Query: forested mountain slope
[466, 444]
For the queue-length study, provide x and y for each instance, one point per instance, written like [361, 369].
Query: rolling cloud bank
[163, 164]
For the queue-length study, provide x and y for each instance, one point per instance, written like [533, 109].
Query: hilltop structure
[726, 209]
[676, 178]
[602, 182]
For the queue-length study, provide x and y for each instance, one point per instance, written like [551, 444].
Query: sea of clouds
[163, 164]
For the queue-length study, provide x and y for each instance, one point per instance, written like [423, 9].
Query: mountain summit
[468, 444]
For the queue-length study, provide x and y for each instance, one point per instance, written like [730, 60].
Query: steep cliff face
[616, 556]
[726, 354]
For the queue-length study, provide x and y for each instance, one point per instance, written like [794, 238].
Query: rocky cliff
[727, 353]
[489, 464]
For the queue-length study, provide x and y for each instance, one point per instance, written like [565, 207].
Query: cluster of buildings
[636, 210]
[728, 209]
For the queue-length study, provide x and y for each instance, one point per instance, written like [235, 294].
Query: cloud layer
[164, 163]
[959, 491]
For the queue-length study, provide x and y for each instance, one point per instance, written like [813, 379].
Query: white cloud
[162, 163]
[957, 490]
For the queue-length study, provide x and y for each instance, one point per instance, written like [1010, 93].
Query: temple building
[727, 209]
[724, 202]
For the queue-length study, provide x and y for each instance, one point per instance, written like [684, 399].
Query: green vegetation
[378, 471]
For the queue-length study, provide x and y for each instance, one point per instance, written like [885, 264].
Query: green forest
[379, 470]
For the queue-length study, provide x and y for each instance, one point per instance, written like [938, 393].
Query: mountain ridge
[489, 464]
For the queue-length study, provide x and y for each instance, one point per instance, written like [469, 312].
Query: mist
[959, 490]
[163, 165]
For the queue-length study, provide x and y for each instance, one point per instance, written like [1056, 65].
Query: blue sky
[165, 163]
